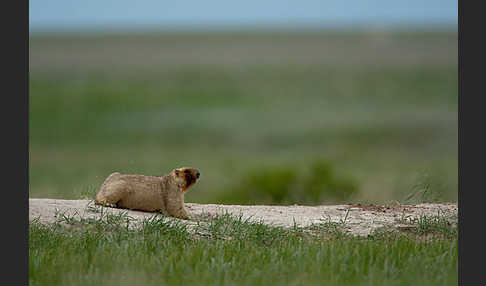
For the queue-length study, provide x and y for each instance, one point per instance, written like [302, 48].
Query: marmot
[148, 193]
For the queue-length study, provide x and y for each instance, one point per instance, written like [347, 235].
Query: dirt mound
[356, 219]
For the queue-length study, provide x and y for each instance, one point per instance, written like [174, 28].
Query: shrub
[284, 185]
[322, 183]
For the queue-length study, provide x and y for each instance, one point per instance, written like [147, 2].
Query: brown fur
[148, 193]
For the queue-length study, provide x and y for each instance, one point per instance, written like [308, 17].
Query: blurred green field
[378, 109]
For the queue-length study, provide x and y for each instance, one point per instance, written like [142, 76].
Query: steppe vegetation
[318, 117]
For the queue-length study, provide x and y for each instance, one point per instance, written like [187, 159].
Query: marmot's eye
[186, 171]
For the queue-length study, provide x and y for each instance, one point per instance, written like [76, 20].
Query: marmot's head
[185, 177]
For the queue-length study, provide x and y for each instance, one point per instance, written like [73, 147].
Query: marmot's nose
[197, 174]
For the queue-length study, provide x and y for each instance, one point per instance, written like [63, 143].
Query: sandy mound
[356, 219]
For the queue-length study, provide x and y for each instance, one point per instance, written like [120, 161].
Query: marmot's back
[133, 192]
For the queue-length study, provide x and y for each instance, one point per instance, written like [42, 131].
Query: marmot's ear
[176, 172]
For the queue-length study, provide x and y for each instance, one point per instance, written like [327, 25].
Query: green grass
[227, 250]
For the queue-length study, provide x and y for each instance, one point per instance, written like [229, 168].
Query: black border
[15, 146]
[470, 163]
[460, 133]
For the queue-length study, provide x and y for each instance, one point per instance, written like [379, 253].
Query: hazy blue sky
[100, 14]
